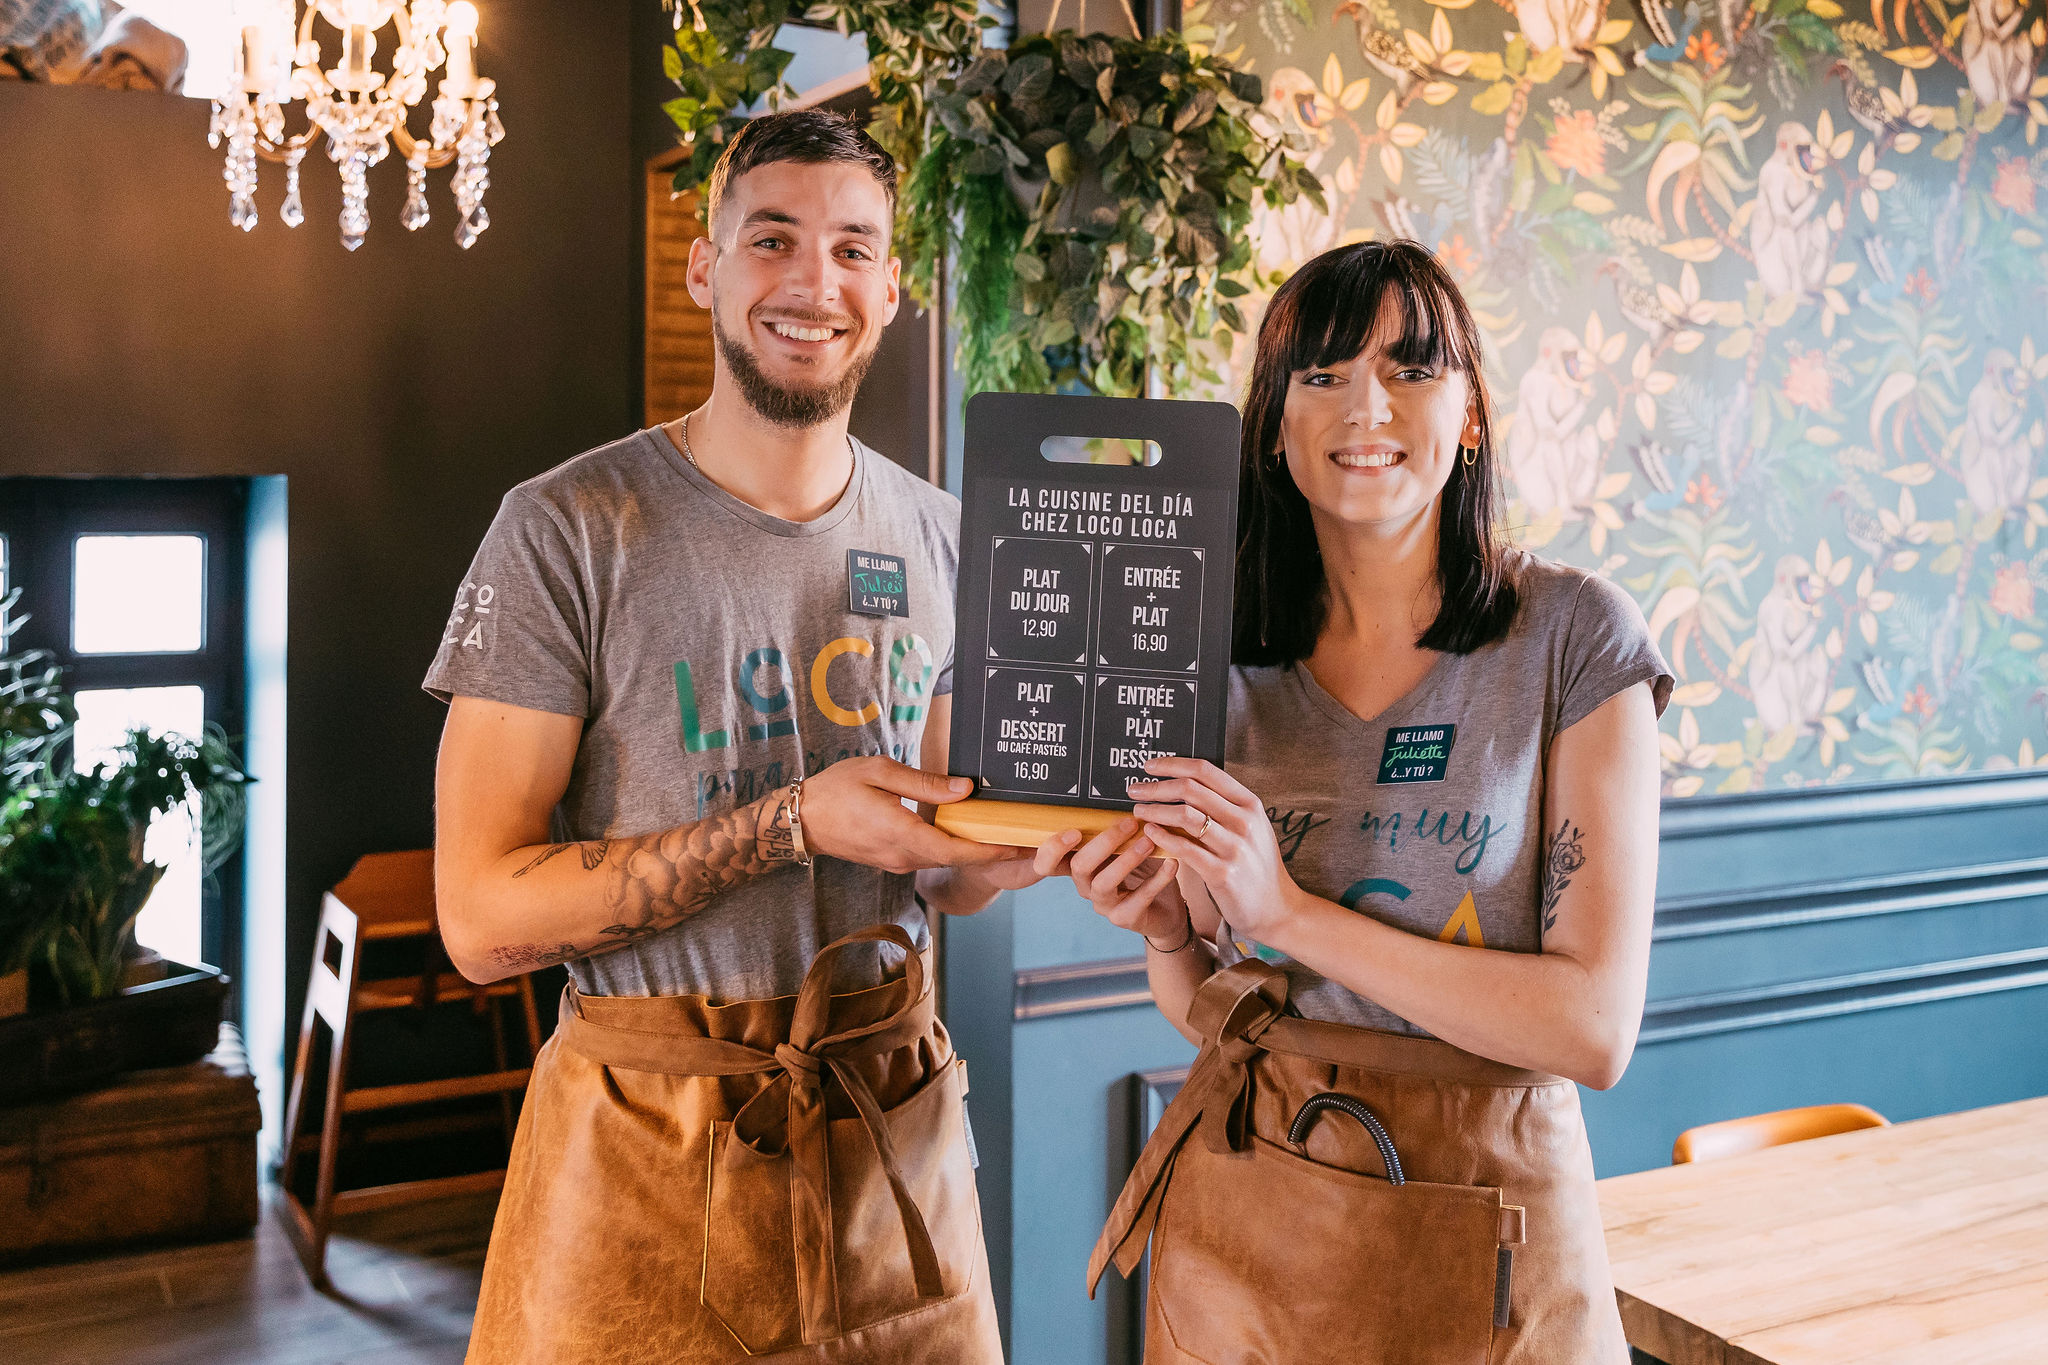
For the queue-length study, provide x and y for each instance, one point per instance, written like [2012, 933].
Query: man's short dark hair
[811, 136]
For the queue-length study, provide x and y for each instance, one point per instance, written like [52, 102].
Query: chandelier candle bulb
[461, 78]
[255, 59]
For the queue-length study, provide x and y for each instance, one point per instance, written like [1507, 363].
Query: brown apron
[785, 1178]
[1284, 1232]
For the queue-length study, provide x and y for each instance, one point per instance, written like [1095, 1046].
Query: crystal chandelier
[362, 111]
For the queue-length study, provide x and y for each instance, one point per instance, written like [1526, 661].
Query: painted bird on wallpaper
[1553, 451]
[1393, 58]
[1996, 456]
[1635, 292]
[1787, 232]
[1788, 669]
[1865, 105]
[1998, 52]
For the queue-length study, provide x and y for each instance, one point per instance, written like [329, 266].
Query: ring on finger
[1198, 831]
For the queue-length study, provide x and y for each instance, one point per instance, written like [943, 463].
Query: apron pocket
[750, 1265]
[1267, 1256]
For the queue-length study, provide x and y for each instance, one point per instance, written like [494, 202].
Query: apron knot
[802, 1066]
[1230, 1010]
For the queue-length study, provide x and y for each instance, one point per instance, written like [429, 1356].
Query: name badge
[1416, 753]
[876, 584]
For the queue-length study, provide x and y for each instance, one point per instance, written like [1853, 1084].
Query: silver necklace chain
[683, 424]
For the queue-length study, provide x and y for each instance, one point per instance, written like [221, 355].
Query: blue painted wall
[1883, 944]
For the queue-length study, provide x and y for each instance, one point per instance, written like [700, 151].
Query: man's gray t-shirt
[1429, 817]
[715, 653]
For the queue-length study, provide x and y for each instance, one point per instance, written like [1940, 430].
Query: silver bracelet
[796, 823]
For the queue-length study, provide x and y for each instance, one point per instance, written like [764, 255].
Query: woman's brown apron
[1267, 1250]
[786, 1178]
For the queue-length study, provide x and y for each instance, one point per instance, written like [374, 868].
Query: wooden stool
[385, 896]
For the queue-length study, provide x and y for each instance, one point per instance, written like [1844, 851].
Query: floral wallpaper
[1766, 297]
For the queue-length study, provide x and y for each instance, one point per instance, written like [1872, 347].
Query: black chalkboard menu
[1096, 545]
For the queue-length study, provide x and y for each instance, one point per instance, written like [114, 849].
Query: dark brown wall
[402, 387]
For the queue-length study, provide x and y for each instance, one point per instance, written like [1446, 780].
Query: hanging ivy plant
[1146, 162]
[724, 60]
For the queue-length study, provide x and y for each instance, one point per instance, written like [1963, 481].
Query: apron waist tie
[1232, 1008]
[797, 1125]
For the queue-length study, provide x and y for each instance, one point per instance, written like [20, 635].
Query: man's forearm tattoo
[525, 957]
[590, 851]
[1563, 856]
[774, 835]
[659, 879]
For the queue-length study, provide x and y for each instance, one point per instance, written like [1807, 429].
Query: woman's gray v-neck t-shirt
[1429, 816]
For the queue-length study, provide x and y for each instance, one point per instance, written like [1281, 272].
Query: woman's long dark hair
[1323, 316]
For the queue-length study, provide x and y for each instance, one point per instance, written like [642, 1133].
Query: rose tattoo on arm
[1563, 856]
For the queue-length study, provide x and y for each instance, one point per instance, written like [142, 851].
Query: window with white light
[134, 586]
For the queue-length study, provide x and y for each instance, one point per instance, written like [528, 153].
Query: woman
[1420, 900]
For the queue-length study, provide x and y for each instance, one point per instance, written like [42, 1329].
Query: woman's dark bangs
[1334, 309]
[1334, 315]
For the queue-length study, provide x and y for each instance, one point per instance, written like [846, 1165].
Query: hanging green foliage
[1141, 163]
[724, 60]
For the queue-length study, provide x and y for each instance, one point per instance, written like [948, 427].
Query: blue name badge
[1416, 753]
[876, 584]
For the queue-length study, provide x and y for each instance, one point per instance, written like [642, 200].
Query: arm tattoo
[591, 852]
[1562, 857]
[655, 880]
[550, 851]
[525, 957]
[660, 879]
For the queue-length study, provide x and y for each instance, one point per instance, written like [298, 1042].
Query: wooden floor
[405, 1283]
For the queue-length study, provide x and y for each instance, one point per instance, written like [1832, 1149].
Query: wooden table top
[1925, 1242]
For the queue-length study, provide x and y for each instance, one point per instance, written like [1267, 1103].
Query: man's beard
[781, 404]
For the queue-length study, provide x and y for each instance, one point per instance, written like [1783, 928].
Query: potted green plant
[1147, 160]
[73, 878]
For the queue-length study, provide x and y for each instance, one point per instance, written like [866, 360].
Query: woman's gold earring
[1470, 454]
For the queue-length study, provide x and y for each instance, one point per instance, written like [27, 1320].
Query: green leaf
[983, 160]
[1029, 79]
[682, 111]
[1061, 163]
[1494, 99]
[672, 63]
[1232, 289]
[1196, 111]
[1028, 267]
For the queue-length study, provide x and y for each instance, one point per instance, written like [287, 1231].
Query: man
[710, 654]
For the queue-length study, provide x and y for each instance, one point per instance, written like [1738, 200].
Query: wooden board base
[1021, 824]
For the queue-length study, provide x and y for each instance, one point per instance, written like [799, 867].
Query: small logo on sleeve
[876, 584]
[1416, 753]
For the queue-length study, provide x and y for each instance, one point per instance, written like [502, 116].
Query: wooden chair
[385, 896]
[1735, 1137]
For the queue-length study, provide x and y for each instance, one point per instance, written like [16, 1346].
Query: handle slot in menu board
[1109, 450]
